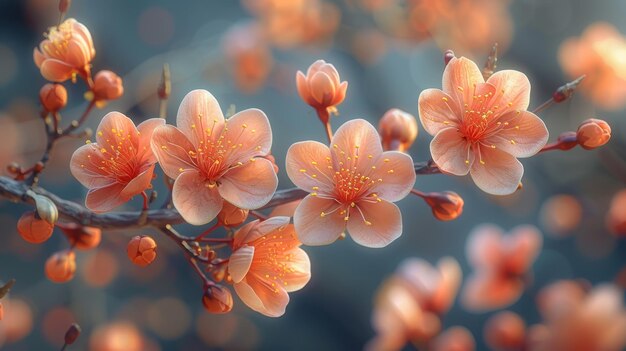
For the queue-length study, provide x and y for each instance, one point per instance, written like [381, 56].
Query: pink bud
[53, 97]
[107, 86]
[593, 133]
[217, 299]
[505, 331]
[321, 87]
[398, 130]
[72, 334]
[446, 206]
[231, 215]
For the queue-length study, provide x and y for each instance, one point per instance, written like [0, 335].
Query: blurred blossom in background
[562, 289]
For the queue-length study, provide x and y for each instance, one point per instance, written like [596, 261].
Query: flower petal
[499, 173]
[105, 198]
[146, 129]
[262, 297]
[314, 229]
[299, 272]
[171, 148]
[200, 116]
[450, 151]
[385, 223]
[140, 183]
[256, 229]
[116, 128]
[437, 111]
[250, 135]
[85, 167]
[356, 137]
[194, 199]
[483, 246]
[249, 186]
[56, 71]
[459, 78]
[524, 137]
[38, 57]
[239, 263]
[484, 292]
[307, 166]
[522, 246]
[512, 89]
[397, 172]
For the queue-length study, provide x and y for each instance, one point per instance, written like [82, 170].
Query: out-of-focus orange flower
[616, 216]
[81, 237]
[106, 86]
[593, 133]
[353, 184]
[217, 299]
[1, 311]
[141, 250]
[600, 54]
[561, 214]
[213, 160]
[482, 127]
[231, 215]
[454, 339]
[321, 87]
[505, 331]
[61, 266]
[117, 336]
[501, 265]
[119, 165]
[67, 51]
[267, 263]
[18, 321]
[398, 130]
[593, 321]
[34, 230]
[248, 56]
[53, 97]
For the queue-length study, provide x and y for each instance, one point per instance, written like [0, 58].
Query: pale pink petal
[262, 297]
[200, 117]
[499, 173]
[256, 229]
[375, 224]
[307, 166]
[241, 235]
[140, 183]
[321, 87]
[249, 186]
[459, 78]
[171, 148]
[56, 71]
[299, 272]
[512, 90]
[115, 127]
[356, 137]
[437, 111]
[450, 151]
[521, 247]
[451, 278]
[146, 128]
[38, 57]
[525, 135]
[287, 209]
[85, 167]
[250, 135]
[484, 292]
[105, 199]
[77, 55]
[197, 201]
[239, 263]
[394, 176]
[483, 247]
[312, 227]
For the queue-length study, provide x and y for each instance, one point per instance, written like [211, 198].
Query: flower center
[59, 38]
[118, 157]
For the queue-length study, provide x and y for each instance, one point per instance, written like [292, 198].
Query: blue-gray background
[333, 311]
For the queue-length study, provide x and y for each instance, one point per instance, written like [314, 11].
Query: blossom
[501, 265]
[107, 86]
[267, 263]
[34, 229]
[398, 130]
[321, 87]
[593, 133]
[454, 339]
[119, 165]
[212, 159]
[352, 185]
[482, 127]
[505, 331]
[67, 51]
[142, 250]
[248, 55]
[61, 266]
[53, 97]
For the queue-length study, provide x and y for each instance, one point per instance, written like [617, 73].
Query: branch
[16, 191]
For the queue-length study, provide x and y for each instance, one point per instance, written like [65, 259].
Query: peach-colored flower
[321, 87]
[398, 130]
[454, 339]
[353, 184]
[505, 331]
[599, 53]
[249, 56]
[482, 127]
[593, 133]
[267, 263]
[501, 265]
[67, 51]
[213, 159]
[119, 165]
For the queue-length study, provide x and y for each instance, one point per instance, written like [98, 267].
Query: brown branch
[16, 191]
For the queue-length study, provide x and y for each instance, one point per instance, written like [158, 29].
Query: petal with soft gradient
[38, 57]
[321, 87]
[138, 184]
[85, 167]
[114, 128]
[485, 291]
[356, 137]
[250, 134]
[375, 224]
[200, 117]
[437, 111]
[307, 166]
[299, 272]
[512, 90]
[499, 173]
[459, 78]
[260, 296]
[256, 229]
[171, 148]
[239, 263]
[56, 71]
[249, 186]
[105, 198]
[197, 201]
[450, 151]
[312, 227]
[521, 247]
[394, 176]
[483, 246]
[525, 135]
[146, 129]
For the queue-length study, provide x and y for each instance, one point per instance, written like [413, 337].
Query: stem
[76, 124]
[324, 116]
[258, 215]
[329, 131]
[207, 232]
[64, 347]
[543, 106]
[218, 240]
[146, 201]
[163, 108]
[418, 193]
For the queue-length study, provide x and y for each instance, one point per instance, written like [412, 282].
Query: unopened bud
[505, 331]
[4, 289]
[448, 56]
[491, 63]
[231, 215]
[46, 209]
[53, 97]
[165, 86]
[72, 334]
[398, 130]
[567, 141]
[64, 6]
[446, 205]
[61, 266]
[566, 91]
[593, 133]
[217, 299]
[141, 250]
[107, 86]
[33, 229]
[81, 237]
[321, 87]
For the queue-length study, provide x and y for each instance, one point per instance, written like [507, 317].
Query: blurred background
[246, 54]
